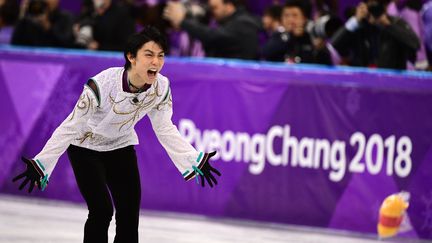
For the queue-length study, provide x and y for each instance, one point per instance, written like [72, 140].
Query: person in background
[35, 29]
[326, 23]
[236, 34]
[9, 13]
[83, 26]
[61, 24]
[426, 14]
[181, 42]
[271, 19]
[105, 26]
[44, 24]
[301, 46]
[411, 14]
[372, 38]
[275, 46]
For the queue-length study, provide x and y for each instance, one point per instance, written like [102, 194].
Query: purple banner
[305, 145]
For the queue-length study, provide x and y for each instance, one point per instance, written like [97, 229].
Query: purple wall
[305, 145]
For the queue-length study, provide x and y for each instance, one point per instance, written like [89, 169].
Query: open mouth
[152, 73]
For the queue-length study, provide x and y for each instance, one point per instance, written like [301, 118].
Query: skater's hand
[207, 171]
[32, 174]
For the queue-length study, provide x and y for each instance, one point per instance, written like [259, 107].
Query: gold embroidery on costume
[86, 135]
[84, 103]
[165, 102]
[138, 107]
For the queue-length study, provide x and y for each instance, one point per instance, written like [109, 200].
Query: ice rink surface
[25, 219]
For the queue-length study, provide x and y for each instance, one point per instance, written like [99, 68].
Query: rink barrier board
[304, 145]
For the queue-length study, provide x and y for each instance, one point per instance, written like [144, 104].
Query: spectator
[107, 27]
[147, 14]
[35, 29]
[61, 24]
[83, 28]
[296, 44]
[44, 24]
[9, 12]
[411, 14]
[235, 37]
[275, 47]
[271, 19]
[426, 14]
[300, 45]
[182, 43]
[375, 39]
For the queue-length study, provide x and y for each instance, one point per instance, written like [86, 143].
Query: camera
[325, 26]
[197, 11]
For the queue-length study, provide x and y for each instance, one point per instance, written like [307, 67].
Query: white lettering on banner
[373, 155]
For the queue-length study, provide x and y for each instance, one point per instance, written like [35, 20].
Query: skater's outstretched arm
[188, 161]
[39, 168]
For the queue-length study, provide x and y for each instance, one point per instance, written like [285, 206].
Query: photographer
[274, 47]
[296, 44]
[61, 23]
[104, 25]
[44, 24]
[35, 28]
[372, 38]
[236, 35]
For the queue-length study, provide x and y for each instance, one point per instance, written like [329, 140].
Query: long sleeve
[401, 31]
[184, 156]
[343, 40]
[118, 39]
[62, 29]
[276, 46]
[113, 28]
[210, 36]
[67, 131]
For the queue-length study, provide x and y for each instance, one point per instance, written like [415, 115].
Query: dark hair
[274, 11]
[9, 12]
[415, 5]
[36, 8]
[376, 8]
[383, 2]
[236, 3]
[137, 40]
[305, 6]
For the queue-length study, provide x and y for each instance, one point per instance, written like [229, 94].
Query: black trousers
[105, 178]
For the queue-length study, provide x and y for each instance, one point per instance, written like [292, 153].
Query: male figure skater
[99, 137]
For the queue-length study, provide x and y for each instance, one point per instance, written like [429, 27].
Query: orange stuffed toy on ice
[391, 214]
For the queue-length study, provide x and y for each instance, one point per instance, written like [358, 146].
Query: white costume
[108, 123]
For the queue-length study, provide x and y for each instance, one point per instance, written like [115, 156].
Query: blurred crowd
[374, 33]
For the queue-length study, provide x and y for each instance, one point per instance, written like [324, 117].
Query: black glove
[32, 174]
[207, 170]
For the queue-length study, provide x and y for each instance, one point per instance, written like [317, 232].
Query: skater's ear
[131, 57]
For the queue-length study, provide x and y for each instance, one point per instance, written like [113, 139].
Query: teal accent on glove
[199, 157]
[197, 171]
[44, 182]
[185, 173]
[40, 164]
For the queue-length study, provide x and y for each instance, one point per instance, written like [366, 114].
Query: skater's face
[148, 61]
